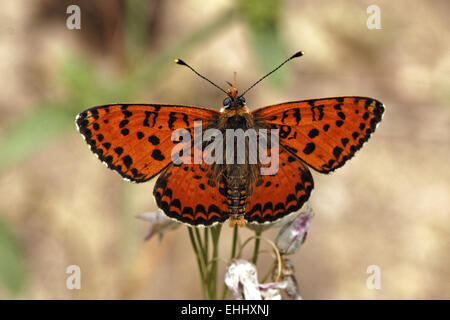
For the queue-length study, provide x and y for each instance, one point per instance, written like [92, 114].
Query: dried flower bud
[288, 274]
[293, 234]
[272, 290]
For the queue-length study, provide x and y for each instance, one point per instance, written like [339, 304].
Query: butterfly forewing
[135, 139]
[324, 133]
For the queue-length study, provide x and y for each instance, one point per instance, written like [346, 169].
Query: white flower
[242, 280]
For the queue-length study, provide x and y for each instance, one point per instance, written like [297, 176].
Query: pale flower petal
[159, 223]
[272, 290]
[288, 273]
[293, 234]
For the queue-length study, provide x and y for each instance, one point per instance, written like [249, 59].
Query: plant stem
[256, 248]
[205, 237]
[199, 262]
[235, 240]
[233, 255]
[202, 251]
[212, 278]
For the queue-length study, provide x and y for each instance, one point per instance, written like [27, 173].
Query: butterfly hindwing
[190, 194]
[324, 133]
[275, 196]
[135, 139]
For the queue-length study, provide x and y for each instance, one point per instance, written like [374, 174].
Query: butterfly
[136, 140]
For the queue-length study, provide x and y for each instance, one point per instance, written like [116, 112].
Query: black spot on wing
[157, 155]
[309, 148]
[313, 133]
[123, 123]
[118, 150]
[344, 141]
[341, 115]
[127, 161]
[154, 140]
[337, 152]
[127, 113]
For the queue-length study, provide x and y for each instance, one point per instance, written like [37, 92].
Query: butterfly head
[233, 100]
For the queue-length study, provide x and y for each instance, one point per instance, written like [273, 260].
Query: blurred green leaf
[136, 26]
[13, 272]
[79, 77]
[263, 19]
[33, 131]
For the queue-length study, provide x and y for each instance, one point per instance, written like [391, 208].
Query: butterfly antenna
[181, 62]
[298, 54]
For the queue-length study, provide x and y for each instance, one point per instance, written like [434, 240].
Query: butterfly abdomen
[236, 193]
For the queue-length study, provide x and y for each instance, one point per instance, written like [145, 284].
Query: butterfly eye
[227, 101]
[241, 100]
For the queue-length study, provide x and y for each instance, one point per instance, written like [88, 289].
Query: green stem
[235, 240]
[206, 242]
[233, 255]
[212, 277]
[256, 248]
[203, 252]
[199, 262]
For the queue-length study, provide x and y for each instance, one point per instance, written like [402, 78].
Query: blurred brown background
[59, 206]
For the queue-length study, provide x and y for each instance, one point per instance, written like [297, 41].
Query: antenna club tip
[298, 54]
[179, 61]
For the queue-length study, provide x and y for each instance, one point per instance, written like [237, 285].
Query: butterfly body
[137, 141]
[238, 178]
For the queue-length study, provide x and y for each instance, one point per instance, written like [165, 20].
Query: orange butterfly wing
[135, 139]
[275, 196]
[324, 133]
[189, 193]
